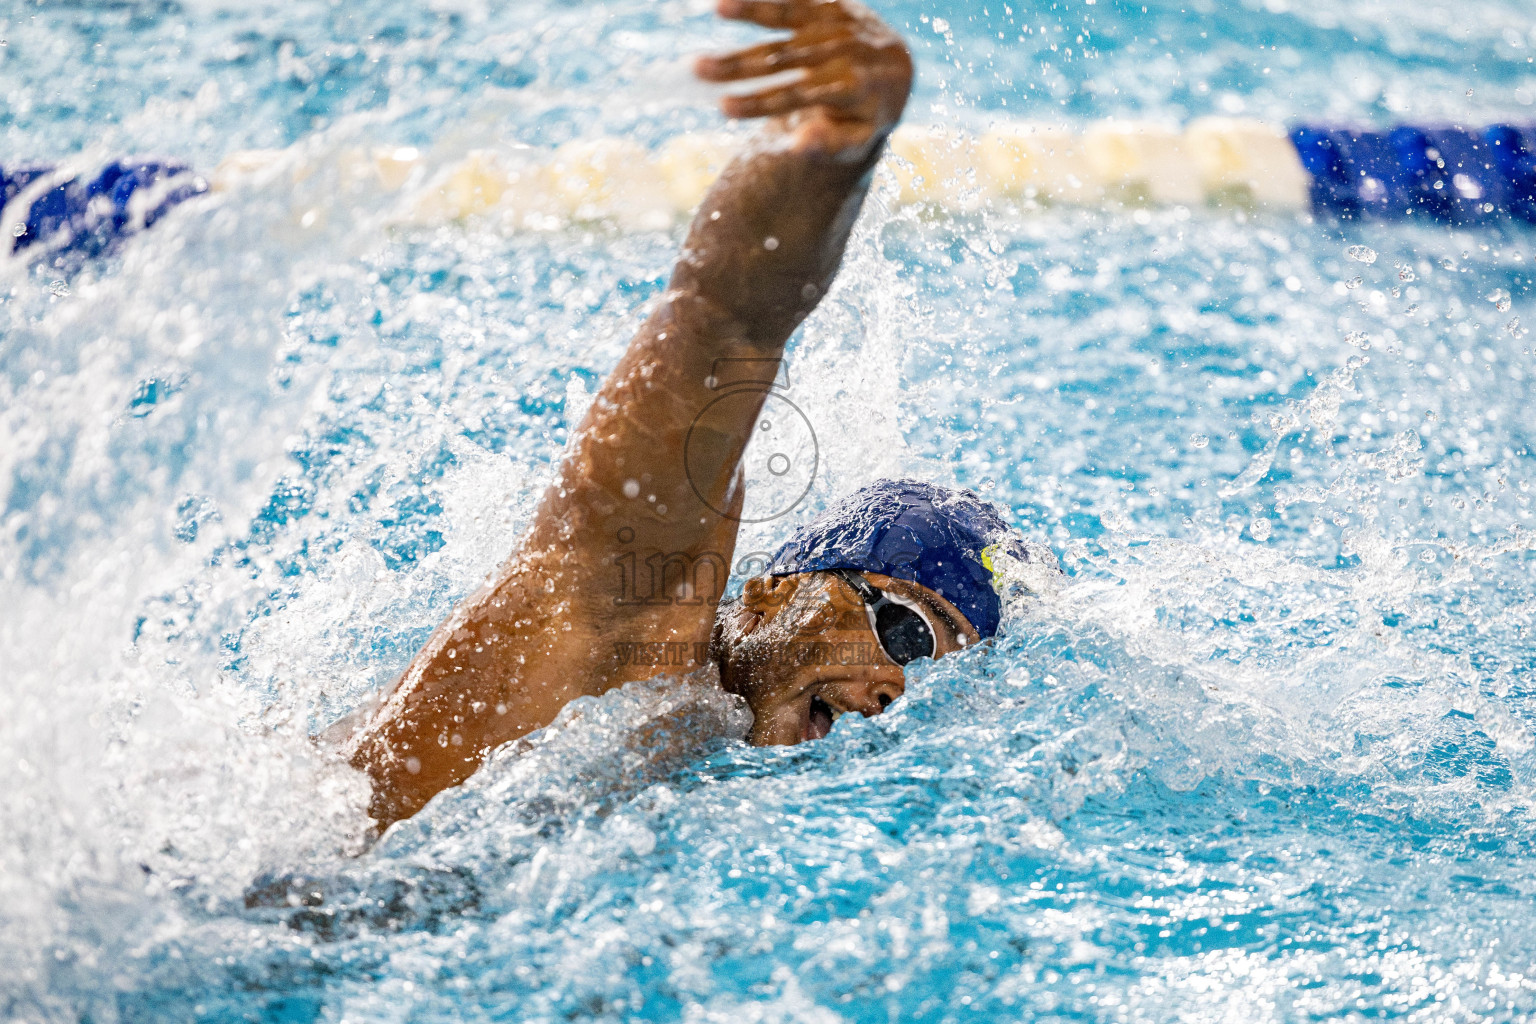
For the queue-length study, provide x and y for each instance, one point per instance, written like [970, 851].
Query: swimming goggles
[900, 626]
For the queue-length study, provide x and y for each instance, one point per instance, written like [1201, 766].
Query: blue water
[1265, 756]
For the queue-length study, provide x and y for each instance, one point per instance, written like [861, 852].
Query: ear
[765, 595]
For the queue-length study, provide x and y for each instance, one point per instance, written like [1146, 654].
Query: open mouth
[819, 722]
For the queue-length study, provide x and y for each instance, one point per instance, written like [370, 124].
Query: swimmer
[899, 571]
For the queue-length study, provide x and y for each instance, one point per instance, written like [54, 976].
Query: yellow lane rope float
[1211, 161]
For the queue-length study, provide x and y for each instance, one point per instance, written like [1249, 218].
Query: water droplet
[1260, 529]
[1353, 282]
[1362, 254]
[1513, 327]
[1407, 274]
[1359, 339]
[770, 243]
[1198, 440]
[940, 26]
[631, 488]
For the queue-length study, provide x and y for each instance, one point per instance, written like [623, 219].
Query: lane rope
[1446, 174]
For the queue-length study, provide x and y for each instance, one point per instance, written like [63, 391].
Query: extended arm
[762, 250]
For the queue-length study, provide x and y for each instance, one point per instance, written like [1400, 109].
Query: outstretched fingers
[818, 88]
[855, 73]
[789, 14]
[771, 58]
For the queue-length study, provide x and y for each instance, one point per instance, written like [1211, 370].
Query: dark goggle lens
[903, 633]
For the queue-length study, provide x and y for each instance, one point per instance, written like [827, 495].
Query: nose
[874, 696]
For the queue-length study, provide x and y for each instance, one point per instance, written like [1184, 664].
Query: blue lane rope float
[1444, 174]
[67, 212]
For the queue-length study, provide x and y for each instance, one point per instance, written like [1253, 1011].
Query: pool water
[1265, 755]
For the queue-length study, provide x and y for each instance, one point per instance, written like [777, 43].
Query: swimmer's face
[801, 651]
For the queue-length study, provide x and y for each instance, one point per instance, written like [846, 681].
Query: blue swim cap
[914, 531]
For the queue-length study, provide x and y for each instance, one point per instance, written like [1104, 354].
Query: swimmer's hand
[855, 74]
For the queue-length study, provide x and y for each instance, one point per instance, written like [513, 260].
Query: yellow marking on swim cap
[986, 561]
